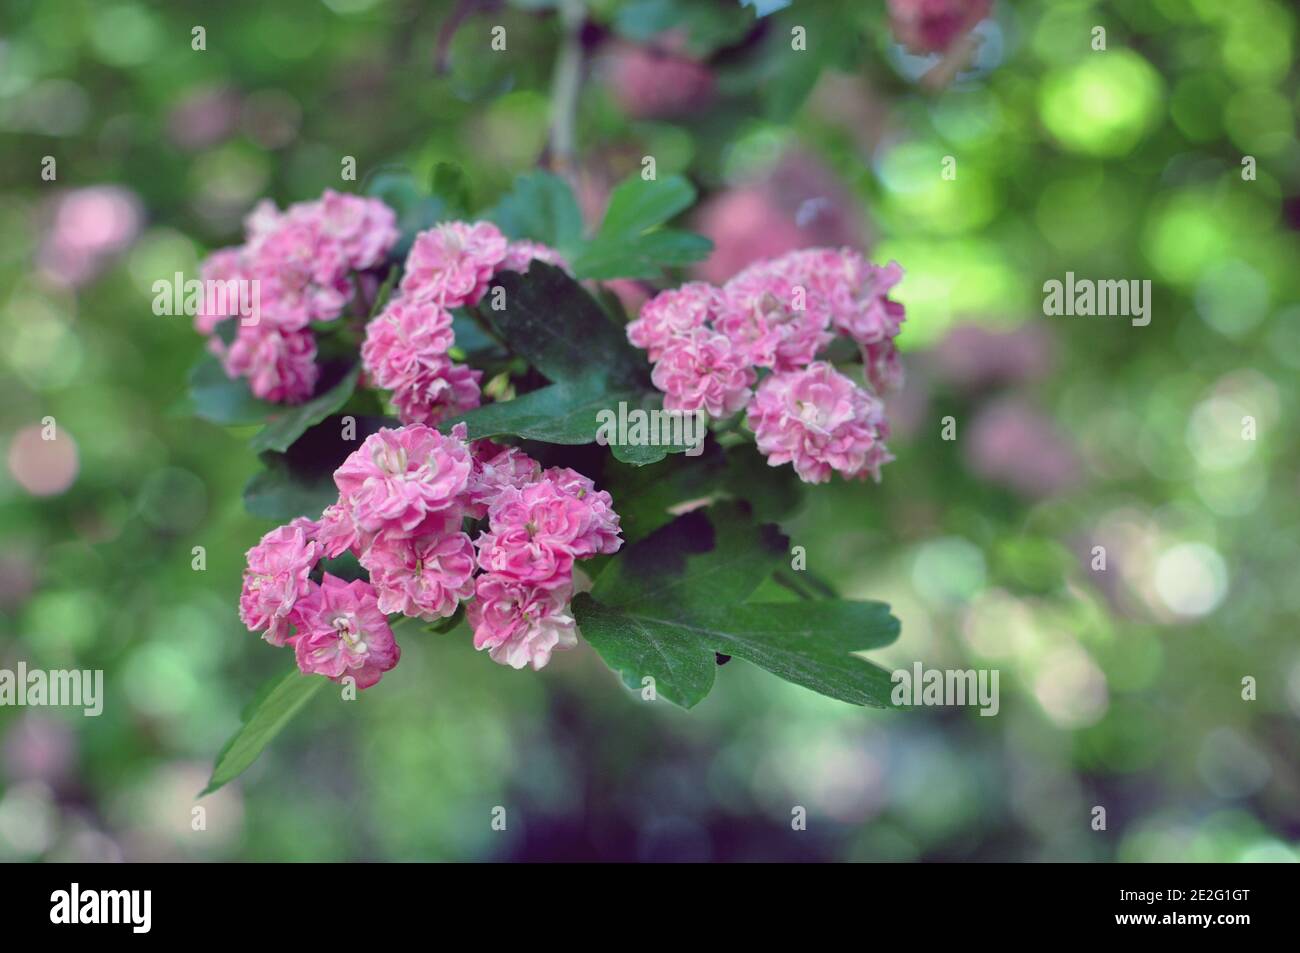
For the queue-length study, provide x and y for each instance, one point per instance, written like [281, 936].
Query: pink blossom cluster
[406, 345]
[406, 497]
[305, 261]
[710, 345]
[933, 26]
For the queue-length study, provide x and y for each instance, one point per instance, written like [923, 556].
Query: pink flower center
[390, 460]
[345, 625]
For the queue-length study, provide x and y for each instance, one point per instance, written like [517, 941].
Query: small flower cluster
[708, 345]
[307, 261]
[405, 497]
[934, 26]
[406, 345]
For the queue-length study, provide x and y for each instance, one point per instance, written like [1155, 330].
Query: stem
[565, 86]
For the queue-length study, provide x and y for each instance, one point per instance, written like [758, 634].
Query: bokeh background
[1119, 688]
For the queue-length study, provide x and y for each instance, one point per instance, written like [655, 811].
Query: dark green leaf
[223, 400]
[559, 413]
[645, 496]
[472, 339]
[707, 26]
[300, 481]
[808, 643]
[550, 321]
[772, 492]
[277, 702]
[541, 207]
[669, 604]
[290, 422]
[278, 493]
[416, 210]
[631, 242]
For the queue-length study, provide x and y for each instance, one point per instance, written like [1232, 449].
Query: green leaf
[416, 210]
[554, 324]
[300, 481]
[647, 496]
[707, 26]
[279, 493]
[541, 207]
[638, 204]
[452, 187]
[702, 558]
[807, 643]
[559, 413]
[644, 257]
[550, 321]
[773, 493]
[669, 604]
[291, 422]
[223, 400]
[789, 76]
[445, 625]
[631, 242]
[276, 703]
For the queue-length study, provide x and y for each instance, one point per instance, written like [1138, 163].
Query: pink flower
[882, 366]
[276, 578]
[337, 532]
[671, 314]
[857, 293]
[932, 26]
[407, 338]
[280, 365]
[362, 229]
[534, 535]
[423, 577]
[771, 311]
[301, 261]
[820, 421]
[263, 219]
[520, 624]
[703, 370]
[437, 391]
[658, 83]
[516, 555]
[601, 532]
[520, 254]
[225, 264]
[452, 263]
[302, 278]
[495, 468]
[342, 631]
[398, 478]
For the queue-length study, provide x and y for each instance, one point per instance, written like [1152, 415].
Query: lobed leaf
[669, 604]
